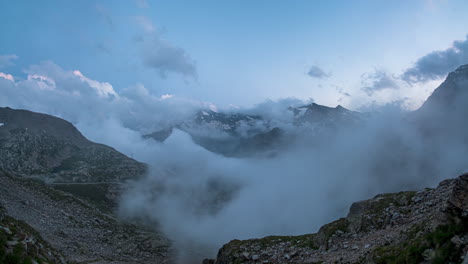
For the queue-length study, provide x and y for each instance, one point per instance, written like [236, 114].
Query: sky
[353, 53]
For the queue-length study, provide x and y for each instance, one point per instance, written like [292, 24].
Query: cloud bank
[437, 64]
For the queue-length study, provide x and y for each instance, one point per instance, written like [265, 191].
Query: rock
[465, 259]
[456, 240]
[12, 243]
[255, 257]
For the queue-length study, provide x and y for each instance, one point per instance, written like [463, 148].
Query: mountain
[242, 135]
[228, 134]
[429, 226]
[451, 95]
[58, 193]
[52, 150]
[323, 116]
[442, 117]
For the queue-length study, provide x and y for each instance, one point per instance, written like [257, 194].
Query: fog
[202, 200]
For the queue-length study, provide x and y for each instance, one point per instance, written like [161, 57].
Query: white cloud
[103, 89]
[43, 82]
[7, 76]
[50, 89]
[166, 96]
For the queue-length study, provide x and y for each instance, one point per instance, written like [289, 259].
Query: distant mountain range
[243, 135]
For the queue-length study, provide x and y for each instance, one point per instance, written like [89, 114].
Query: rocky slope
[46, 165]
[52, 149]
[20, 243]
[72, 230]
[429, 226]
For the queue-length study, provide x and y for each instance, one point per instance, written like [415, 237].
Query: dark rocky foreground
[429, 226]
[56, 227]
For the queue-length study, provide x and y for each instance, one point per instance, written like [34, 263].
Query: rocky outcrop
[429, 226]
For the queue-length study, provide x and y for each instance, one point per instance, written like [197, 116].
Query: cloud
[377, 81]
[317, 72]
[48, 88]
[103, 89]
[437, 64]
[160, 54]
[7, 60]
[43, 82]
[7, 76]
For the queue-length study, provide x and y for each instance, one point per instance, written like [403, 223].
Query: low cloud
[317, 72]
[437, 64]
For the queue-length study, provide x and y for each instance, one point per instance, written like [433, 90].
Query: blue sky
[238, 52]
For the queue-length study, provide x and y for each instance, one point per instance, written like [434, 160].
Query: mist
[201, 200]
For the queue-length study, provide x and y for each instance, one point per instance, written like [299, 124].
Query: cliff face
[429, 226]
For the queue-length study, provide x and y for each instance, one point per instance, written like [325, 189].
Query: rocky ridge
[429, 226]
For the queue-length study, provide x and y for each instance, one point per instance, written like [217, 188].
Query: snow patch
[2, 124]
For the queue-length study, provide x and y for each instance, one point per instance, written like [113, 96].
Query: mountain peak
[451, 94]
[462, 69]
